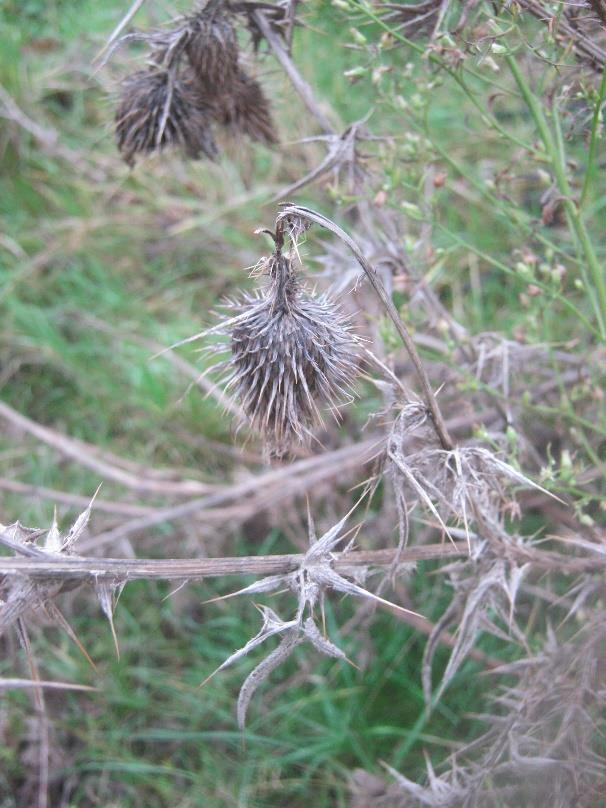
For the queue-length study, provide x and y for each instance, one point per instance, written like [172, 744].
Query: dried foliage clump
[196, 80]
[541, 744]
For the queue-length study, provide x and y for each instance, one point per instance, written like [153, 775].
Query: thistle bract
[195, 82]
[291, 352]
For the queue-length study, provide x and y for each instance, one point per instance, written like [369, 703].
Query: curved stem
[376, 283]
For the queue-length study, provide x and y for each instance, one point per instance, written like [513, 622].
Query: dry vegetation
[434, 399]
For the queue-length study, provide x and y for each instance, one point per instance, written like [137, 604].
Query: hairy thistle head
[291, 352]
[159, 108]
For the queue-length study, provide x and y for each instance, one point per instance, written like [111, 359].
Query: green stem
[593, 143]
[489, 119]
[506, 210]
[509, 271]
[554, 148]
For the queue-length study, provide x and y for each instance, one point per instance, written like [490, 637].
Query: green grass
[157, 734]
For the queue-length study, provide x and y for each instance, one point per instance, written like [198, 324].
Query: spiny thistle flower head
[159, 108]
[291, 351]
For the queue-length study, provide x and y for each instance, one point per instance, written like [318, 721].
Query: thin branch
[263, 490]
[120, 27]
[20, 684]
[296, 79]
[46, 137]
[75, 500]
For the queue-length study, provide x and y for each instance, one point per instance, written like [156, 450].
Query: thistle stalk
[299, 212]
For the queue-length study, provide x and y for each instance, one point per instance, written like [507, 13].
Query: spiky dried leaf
[272, 624]
[260, 673]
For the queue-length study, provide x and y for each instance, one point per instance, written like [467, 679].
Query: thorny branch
[191, 569]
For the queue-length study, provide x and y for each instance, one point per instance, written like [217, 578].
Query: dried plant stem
[80, 452]
[177, 569]
[60, 568]
[39, 702]
[296, 79]
[268, 489]
[9, 109]
[120, 27]
[26, 684]
[74, 500]
[583, 44]
[298, 211]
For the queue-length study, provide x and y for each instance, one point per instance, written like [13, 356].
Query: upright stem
[300, 212]
[557, 159]
[593, 143]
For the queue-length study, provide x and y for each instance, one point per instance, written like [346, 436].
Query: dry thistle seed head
[245, 109]
[212, 47]
[290, 351]
[159, 108]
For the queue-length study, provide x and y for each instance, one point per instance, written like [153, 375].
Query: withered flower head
[291, 351]
[212, 47]
[246, 109]
[160, 108]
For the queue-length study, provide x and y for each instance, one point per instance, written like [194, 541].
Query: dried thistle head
[159, 108]
[291, 350]
[245, 109]
[195, 81]
[212, 47]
